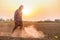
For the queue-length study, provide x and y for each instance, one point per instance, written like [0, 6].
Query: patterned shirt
[17, 16]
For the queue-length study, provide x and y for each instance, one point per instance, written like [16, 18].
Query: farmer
[18, 18]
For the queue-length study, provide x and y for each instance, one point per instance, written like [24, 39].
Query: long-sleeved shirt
[17, 16]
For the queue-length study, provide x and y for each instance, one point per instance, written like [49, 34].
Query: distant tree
[48, 20]
[2, 20]
[11, 19]
[57, 20]
[39, 21]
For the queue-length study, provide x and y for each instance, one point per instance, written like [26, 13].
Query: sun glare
[26, 11]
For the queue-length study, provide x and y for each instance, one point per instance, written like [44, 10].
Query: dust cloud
[28, 32]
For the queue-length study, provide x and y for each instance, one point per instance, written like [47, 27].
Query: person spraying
[18, 18]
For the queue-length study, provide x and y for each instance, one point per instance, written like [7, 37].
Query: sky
[37, 9]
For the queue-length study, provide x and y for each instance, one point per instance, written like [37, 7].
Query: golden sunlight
[26, 11]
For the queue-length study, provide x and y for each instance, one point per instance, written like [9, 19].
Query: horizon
[30, 20]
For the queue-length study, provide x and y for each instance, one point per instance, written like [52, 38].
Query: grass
[50, 29]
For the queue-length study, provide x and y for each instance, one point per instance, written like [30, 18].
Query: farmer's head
[21, 7]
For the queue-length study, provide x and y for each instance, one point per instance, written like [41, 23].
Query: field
[50, 29]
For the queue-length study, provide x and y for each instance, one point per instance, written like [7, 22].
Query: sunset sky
[37, 9]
